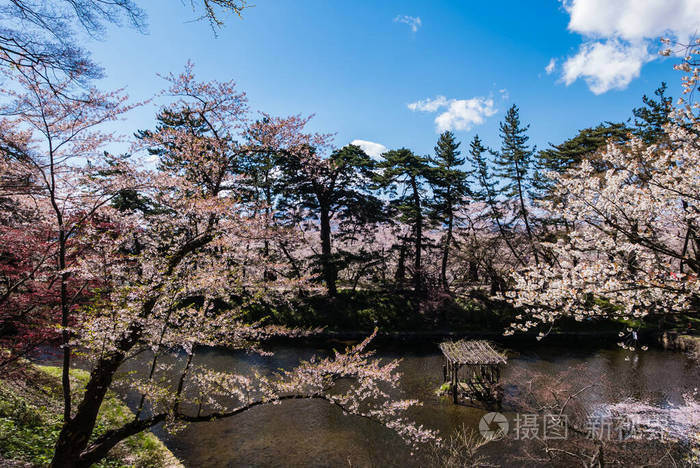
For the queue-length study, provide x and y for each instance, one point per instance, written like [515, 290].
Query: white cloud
[551, 66]
[618, 35]
[372, 149]
[413, 22]
[634, 20]
[504, 94]
[459, 114]
[429, 105]
[605, 65]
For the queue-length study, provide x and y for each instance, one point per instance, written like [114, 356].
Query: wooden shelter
[473, 369]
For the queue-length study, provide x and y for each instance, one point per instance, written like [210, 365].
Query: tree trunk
[473, 272]
[417, 274]
[76, 432]
[65, 309]
[267, 275]
[524, 213]
[445, 254]
[65, 315]
[400, 276]
[330, 275]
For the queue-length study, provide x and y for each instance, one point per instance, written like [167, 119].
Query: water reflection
[311, 433]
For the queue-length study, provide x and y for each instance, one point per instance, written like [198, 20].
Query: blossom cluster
[632, 247]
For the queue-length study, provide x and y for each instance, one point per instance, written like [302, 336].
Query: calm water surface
[311, 433]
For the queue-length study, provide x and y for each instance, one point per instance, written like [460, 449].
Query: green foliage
[485, 186]
[333, 190]
[405, 175]
[513, 160]
[559, 158]
[355, 311]
[649, 120]
[31, 419]
[653, 115]
[512, 165]
[449, 186]
[340, 183]
[390, 310]
[444, 388]
[448, 181]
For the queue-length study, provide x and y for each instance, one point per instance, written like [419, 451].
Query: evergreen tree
[260, 176]
[449, 184]
[211, 165]
[513, 165]
[651, 118]
[485, 190]
[334, 189]
[559, 158]
[406, 175]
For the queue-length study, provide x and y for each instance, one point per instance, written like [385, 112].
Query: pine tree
[651, 118]
[407, 172]
[333, 189]
[261, 177]
[559, 158]
[449, 185]
[513, 165]
[485, 190]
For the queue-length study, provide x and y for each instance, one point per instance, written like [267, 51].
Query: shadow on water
[311, 433]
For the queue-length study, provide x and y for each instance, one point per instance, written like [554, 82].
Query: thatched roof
[472, 352]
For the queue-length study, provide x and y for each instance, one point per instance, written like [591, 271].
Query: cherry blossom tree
[26, 259]
[49, 132]
[633, 247]
[39, 37]
[176, 269]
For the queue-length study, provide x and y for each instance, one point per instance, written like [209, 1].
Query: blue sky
[358, 65]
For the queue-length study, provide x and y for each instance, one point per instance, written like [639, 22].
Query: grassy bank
[358, 312]
[30, 420]
[681, 342]
[390, 310]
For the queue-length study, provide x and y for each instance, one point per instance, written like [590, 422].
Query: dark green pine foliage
[653, 115]
[127, 199]
[260, 174]
[336, 193]
[513, 166]
[648, 125]
[449, 186]
[485, 190]
[559, 158]
[406, 174]
[210, 168]
[261, 181]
